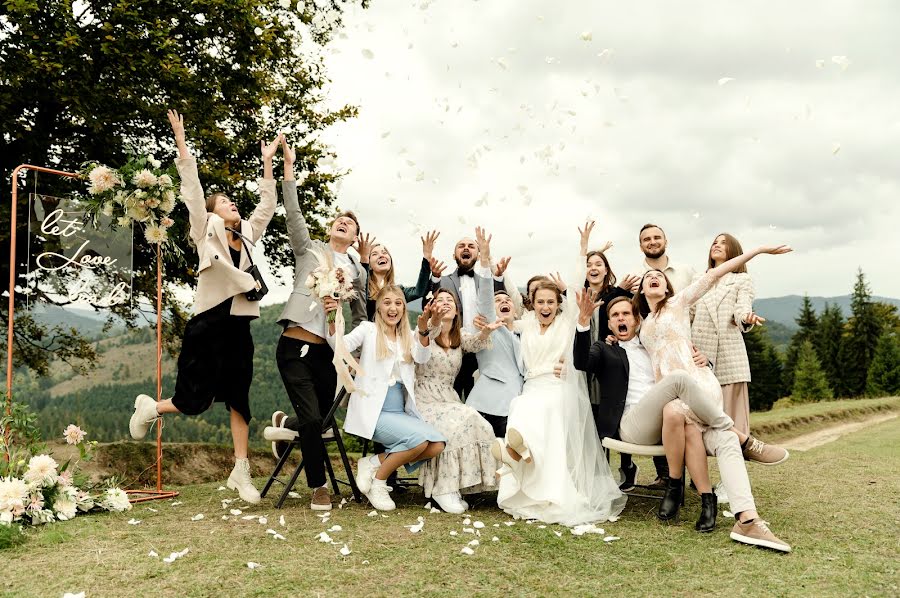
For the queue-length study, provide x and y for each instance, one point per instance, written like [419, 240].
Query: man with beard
[653, 244]
[464, 284]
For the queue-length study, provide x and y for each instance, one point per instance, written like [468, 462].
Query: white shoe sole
[135, 425]
[764, 543]
[320, 507]
[785, 458]
[255, 500]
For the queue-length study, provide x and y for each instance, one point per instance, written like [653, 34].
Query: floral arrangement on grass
[39, 490]
[139, 192]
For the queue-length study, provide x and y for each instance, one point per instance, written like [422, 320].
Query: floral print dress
[466, 464]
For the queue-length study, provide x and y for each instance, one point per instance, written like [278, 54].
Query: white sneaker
[463, 502]
[365, 473]
[240, 480]
[274, 434]
[379, 495]
[143, 417]
[450, 502]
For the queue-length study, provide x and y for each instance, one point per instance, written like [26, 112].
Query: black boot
[671, 501]
[708, 511]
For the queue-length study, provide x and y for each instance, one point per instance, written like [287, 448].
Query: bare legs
[240, 430]
[390, 462]
[673, 439]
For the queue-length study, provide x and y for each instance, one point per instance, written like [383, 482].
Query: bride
[554, 469]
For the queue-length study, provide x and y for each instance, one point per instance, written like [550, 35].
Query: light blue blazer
[500, 368]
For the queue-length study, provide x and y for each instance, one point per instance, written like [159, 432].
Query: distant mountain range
[784, 310]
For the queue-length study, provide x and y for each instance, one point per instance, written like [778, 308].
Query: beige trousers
[725, 447]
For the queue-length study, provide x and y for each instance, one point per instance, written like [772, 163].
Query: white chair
[656, 450]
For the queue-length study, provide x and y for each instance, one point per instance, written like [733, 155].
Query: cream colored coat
[218, 279]
[717, 326]
[371, 387]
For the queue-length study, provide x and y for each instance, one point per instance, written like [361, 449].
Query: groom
[631, 409]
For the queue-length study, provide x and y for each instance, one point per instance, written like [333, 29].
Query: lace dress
[466, 464]
[667, 338]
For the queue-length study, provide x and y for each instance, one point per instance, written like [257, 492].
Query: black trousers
[498, 423]
[464, 380]
[310, 381]
[215, 363]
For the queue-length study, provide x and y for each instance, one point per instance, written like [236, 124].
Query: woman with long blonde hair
[383, 406]
[381, 273]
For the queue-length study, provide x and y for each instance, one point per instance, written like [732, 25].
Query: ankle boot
[708, 512]
[671, 501]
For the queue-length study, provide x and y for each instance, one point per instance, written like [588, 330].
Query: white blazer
[371, 388]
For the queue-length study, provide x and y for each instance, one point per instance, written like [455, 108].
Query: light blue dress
[399, 431]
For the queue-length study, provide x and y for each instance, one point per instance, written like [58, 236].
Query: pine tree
[884, 371]
[808, 328]
[810, 383]
[859, 340]
[828, 343]
[765, 368]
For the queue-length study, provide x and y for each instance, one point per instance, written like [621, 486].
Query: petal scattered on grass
[251, 565]
[725, 81]
[509, 523]
[467, 521]
[558, 534]
[134, 521]
[611, 538]
[372, 514]
[728, 514]
[474, 543]
[454, 533]
[198, 517]
[176, 503]
[324, 537]
[495, 539]
[153, 554]
[468, 551]
[428, 505]
[478, 525]
[235, 512]
[468, 530]
[175, 556]
[293, 494]
[345, 551]
[335, 528]
[152, 510]
[220, 488]
[434, 510]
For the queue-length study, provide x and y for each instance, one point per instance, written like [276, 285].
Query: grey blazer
[451, 281]
[297, 309]
[501, 370]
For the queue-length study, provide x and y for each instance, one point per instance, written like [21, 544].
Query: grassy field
[836, 504]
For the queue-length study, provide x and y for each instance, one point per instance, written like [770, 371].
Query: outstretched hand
[629, 282]
[437, 267]
[487, 329]
[558, 281]
[586, 235]
[501, 266]
[586, 306]
[177, 122]
[483, 240]
[428, 242]
[753, 319]
[268, 149]
[287, 152]
[363, 245]
[775, 249]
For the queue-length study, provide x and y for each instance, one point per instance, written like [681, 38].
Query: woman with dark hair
[466, 465]
[380, 267]
[719, 321]
[553, 468]
[216, 360]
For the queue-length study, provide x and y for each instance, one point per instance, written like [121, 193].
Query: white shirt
[680, 276]
[640, 371]
[318, 325]
[469, 298]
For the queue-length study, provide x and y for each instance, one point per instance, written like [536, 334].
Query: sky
[777, 122]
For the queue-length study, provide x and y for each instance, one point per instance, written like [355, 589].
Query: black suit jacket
[609, 365]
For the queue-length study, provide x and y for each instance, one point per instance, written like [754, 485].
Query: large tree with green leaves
[808, 325]
[92, 81]
[810, 383]
[884, 372]
[860, 339]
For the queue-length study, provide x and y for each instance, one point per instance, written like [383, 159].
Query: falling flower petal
[345, 551]
[467, 550]
[304, 350]
[820, 64]
[587, 36]
[197, 517]
[835, 147]
[368, 53]
[841, 61]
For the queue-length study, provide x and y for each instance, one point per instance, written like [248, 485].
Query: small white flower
[41, 470]
[103, 179]
[116, 500]
[144, 179]
[65, 507]
[73, 434]
[155, 234]
[123, 221]
[164, 181]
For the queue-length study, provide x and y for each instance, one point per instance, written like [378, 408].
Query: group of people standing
[490, 390]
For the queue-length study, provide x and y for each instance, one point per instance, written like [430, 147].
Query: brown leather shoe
[757, 533]
[321, 499]
[765, 454]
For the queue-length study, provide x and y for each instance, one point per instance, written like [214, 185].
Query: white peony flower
[41, 471]
[13, 494]
[116, 500]
[168, 202]
[73, 434]
[144, 179]
[165, 181]
[84, 501]
[65, 508]
[153, 161]
[103, 179]
[156, 234]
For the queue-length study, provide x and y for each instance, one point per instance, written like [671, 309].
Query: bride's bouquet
[330, 282]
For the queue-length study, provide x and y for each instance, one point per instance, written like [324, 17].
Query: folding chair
[646, 451]
[330, 433]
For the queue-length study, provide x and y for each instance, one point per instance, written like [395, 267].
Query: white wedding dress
[568, 481]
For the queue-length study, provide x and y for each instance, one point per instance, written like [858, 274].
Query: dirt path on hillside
[830, 434]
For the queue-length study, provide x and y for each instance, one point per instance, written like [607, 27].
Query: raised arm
[265, 209]
[191, 190]
[586, 357]
[423, 284]
[694, 291]
[298, 231]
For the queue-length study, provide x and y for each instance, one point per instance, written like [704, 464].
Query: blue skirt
[399, 431]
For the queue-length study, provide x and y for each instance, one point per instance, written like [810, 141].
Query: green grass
[836, 504]
[796, 419]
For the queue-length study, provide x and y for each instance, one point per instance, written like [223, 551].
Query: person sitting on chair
[632, 408]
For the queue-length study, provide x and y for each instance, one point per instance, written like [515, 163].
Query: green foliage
[884, 372]
[766, 369]
[92, 81]
[24, 437]
[11, 535]
[810, 383]
[828, 343]
[807, 323]
[859, 340]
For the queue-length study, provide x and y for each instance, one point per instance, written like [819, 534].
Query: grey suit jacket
[451, 281]
[297, 309]
[501, 370]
